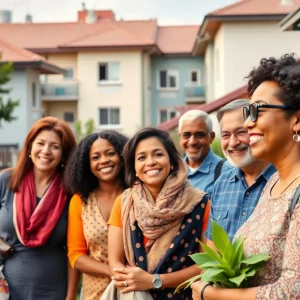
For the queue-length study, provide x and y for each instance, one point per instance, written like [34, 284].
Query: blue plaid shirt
[233, 202]
[203, 177]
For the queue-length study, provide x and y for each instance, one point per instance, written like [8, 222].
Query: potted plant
[228, 267]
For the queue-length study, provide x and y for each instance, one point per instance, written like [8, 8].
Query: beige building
[106, 64]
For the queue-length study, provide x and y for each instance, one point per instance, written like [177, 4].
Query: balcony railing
[194, 93]
[59, 91]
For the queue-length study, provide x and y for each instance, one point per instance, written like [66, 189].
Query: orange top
[116, 215]
[77, 245]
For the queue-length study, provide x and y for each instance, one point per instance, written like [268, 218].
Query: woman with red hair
[33, 214]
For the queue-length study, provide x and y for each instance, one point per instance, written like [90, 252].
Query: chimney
[94, 16]
[5, 16]
[287, 2]
[90, 17]
[28, 18]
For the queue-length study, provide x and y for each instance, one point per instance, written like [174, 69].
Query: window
[166, 114]
[69, 117]
[109, 116]
[69, 73]
[109, 71]
[33, 95]
[195, 77]
[168, 79]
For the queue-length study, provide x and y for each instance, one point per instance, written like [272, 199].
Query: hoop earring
[296, 137]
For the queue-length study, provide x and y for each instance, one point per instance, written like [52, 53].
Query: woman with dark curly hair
[157, 222]
[95, 174]
[273, 122]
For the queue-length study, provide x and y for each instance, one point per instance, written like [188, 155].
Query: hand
[136, 279]
[197, 288]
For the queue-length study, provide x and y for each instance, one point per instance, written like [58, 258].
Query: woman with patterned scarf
[157, 223]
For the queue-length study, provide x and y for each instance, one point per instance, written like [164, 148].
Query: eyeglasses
[253, 109]
[199, 135]
[238, 134]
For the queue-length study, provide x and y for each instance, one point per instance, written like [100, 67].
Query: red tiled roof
[177, 39]
[256, 7]
[207, 107]
[11, 53]
[106, 33]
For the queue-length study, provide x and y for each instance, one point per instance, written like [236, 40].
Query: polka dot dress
[95, 233]
[185, 243]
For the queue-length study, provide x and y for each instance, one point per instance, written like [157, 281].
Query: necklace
[289, 184]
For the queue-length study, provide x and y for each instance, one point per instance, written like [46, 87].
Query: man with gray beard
[196, 134]
[237, 191]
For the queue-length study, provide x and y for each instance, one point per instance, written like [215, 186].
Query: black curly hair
[130, 147]
[78, 177]
[285, 71]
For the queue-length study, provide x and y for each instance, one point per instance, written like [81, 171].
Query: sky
[167, 12]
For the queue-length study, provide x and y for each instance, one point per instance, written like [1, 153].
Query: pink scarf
[35, 222]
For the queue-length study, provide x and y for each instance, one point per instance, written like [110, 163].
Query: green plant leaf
[187, 283]
[238, 254]
[202, 258]
[209, 274]
[258, 265]
[250, 273]
[221, 240]
[238, 280]
[211, 264]
[213, 255]
[227, 270]
[256, 258]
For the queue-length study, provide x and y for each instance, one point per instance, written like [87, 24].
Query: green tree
[216, 147]
[89, 127]
[6, 107]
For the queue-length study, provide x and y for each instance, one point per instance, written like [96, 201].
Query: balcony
[64, 91]
[194, 93]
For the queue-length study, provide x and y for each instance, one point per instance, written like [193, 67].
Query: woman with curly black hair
[273, 122]
[95, 174]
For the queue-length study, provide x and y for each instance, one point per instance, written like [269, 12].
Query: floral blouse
[270, 229]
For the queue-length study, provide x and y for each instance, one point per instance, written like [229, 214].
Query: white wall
[219, 63]
[127, 95]
[147, 90]
[20, 85]
[33, 113]
[209, 72]
[245, 43]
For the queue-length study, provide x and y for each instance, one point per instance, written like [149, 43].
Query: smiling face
[271, 134]
[235, 139]
[195, 149]
[46, 151]
[152, 163]
[105, 162]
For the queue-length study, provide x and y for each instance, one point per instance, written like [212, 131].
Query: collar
[238, 174]
[205, 165]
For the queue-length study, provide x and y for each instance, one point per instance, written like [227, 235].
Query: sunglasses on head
[252, 110]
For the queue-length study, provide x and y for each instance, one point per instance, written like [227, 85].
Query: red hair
[24, 164]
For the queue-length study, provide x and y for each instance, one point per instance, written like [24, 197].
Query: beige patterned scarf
[159, 220]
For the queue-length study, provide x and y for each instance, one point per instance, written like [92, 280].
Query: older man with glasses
[237, 191]
[196, 136]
